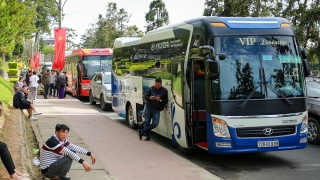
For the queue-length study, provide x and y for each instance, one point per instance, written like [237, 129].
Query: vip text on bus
[235, 85]
[81, 66]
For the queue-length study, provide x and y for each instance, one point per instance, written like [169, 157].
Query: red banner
[37, 55]
[32, 63]
[59, 48]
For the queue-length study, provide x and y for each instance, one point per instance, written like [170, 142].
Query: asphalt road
[303, 164]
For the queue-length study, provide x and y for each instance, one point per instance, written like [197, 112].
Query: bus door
[196, 107]
[176, 123]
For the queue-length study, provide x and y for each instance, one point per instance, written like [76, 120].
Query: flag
[32, 63]
[59, 48]
[37, 60]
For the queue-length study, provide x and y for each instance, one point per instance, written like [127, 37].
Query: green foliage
[133, 31]
[13, 80]
[18, 49]
[162, 75]
[157, 15]
[13, 65]
[13, 72]
[6, 91]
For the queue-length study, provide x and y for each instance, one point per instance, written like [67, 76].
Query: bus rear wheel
[130, 117]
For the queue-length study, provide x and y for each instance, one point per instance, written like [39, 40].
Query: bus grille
[258, 131]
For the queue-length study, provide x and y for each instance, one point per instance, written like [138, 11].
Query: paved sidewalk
[120, 154]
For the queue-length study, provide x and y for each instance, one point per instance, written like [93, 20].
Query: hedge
[13, 72]
[13, 65]
[13, 80]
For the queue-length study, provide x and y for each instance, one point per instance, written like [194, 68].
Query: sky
[80, 13]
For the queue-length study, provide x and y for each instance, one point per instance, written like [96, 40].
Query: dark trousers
[6, 158]
[45, 90]
[51, 88]
[59, 168]
[56, 90]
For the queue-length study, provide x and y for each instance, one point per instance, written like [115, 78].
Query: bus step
[202, 145]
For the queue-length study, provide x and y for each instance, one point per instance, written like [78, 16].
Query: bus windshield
[262, 66]
[92, 64]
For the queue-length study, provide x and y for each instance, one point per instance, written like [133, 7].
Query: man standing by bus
[156, 98]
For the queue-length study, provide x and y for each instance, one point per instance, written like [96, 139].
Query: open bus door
[196, 104]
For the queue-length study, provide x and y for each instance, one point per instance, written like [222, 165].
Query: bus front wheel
[130, 117]
[186, 151]
[313, 131]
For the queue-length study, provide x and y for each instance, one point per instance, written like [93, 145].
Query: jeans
[51, 88]
[148, 115]
[45, 90]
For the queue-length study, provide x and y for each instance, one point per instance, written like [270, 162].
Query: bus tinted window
[256, 62]
[92, 64]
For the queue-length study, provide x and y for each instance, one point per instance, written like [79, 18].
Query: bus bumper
[85, 92]
[235, 145]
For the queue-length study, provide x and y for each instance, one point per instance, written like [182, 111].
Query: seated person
[197, 71]
[20, 101]
[57, 153]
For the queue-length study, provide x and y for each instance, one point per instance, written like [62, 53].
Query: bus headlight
[304, 125]
[220, 128]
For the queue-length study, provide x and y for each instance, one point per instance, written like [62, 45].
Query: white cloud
[80, 13]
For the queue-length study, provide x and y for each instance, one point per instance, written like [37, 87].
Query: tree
[157, 15]
[103, 32]
[71, 35]
[133, 31]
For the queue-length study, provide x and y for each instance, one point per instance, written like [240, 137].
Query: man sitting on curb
[20, 101]
[57, 153]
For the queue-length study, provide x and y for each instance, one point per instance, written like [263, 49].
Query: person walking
[46, 83]
[62, 84]
[156, 98]
[52, 82]
[34, 86]
[20, 101]
[57, 153]
[7, 159]
[67, 84]
[18, 85]
[56, 86]
[28, 75]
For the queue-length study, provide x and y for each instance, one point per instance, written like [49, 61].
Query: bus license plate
[268, 144]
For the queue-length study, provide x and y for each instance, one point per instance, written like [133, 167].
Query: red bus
[81, 66]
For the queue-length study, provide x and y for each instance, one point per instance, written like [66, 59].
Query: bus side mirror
[304, 62]
[212, 69]
[209, 50]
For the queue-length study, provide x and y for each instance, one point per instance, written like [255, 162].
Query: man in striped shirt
[57, 153]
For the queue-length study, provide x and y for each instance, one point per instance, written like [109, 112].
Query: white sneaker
[33, 118]
[37, 113]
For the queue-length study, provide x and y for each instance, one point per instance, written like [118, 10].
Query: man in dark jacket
[156, 98]
[28, 77]
[46, 83]
[20, 101]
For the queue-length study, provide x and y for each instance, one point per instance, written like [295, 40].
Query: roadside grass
[32, 143]
[6, 94]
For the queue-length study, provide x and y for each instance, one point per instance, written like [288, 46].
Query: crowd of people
[26, 89]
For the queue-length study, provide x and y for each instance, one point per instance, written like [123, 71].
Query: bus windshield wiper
[278, 93]
[250, 95]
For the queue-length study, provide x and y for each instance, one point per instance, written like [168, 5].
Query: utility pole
[60, 13]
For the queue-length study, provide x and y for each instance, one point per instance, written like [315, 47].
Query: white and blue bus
[235, 85]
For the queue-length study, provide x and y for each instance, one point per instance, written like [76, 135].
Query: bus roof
[234, 24]
[92, 52]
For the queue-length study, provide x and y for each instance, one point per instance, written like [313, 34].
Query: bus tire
[129, 117]
[103, 103]
[313, 130]
[186, 151]
[92, 102]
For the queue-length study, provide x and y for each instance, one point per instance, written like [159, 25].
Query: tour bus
[81, 66]
[235, 85]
